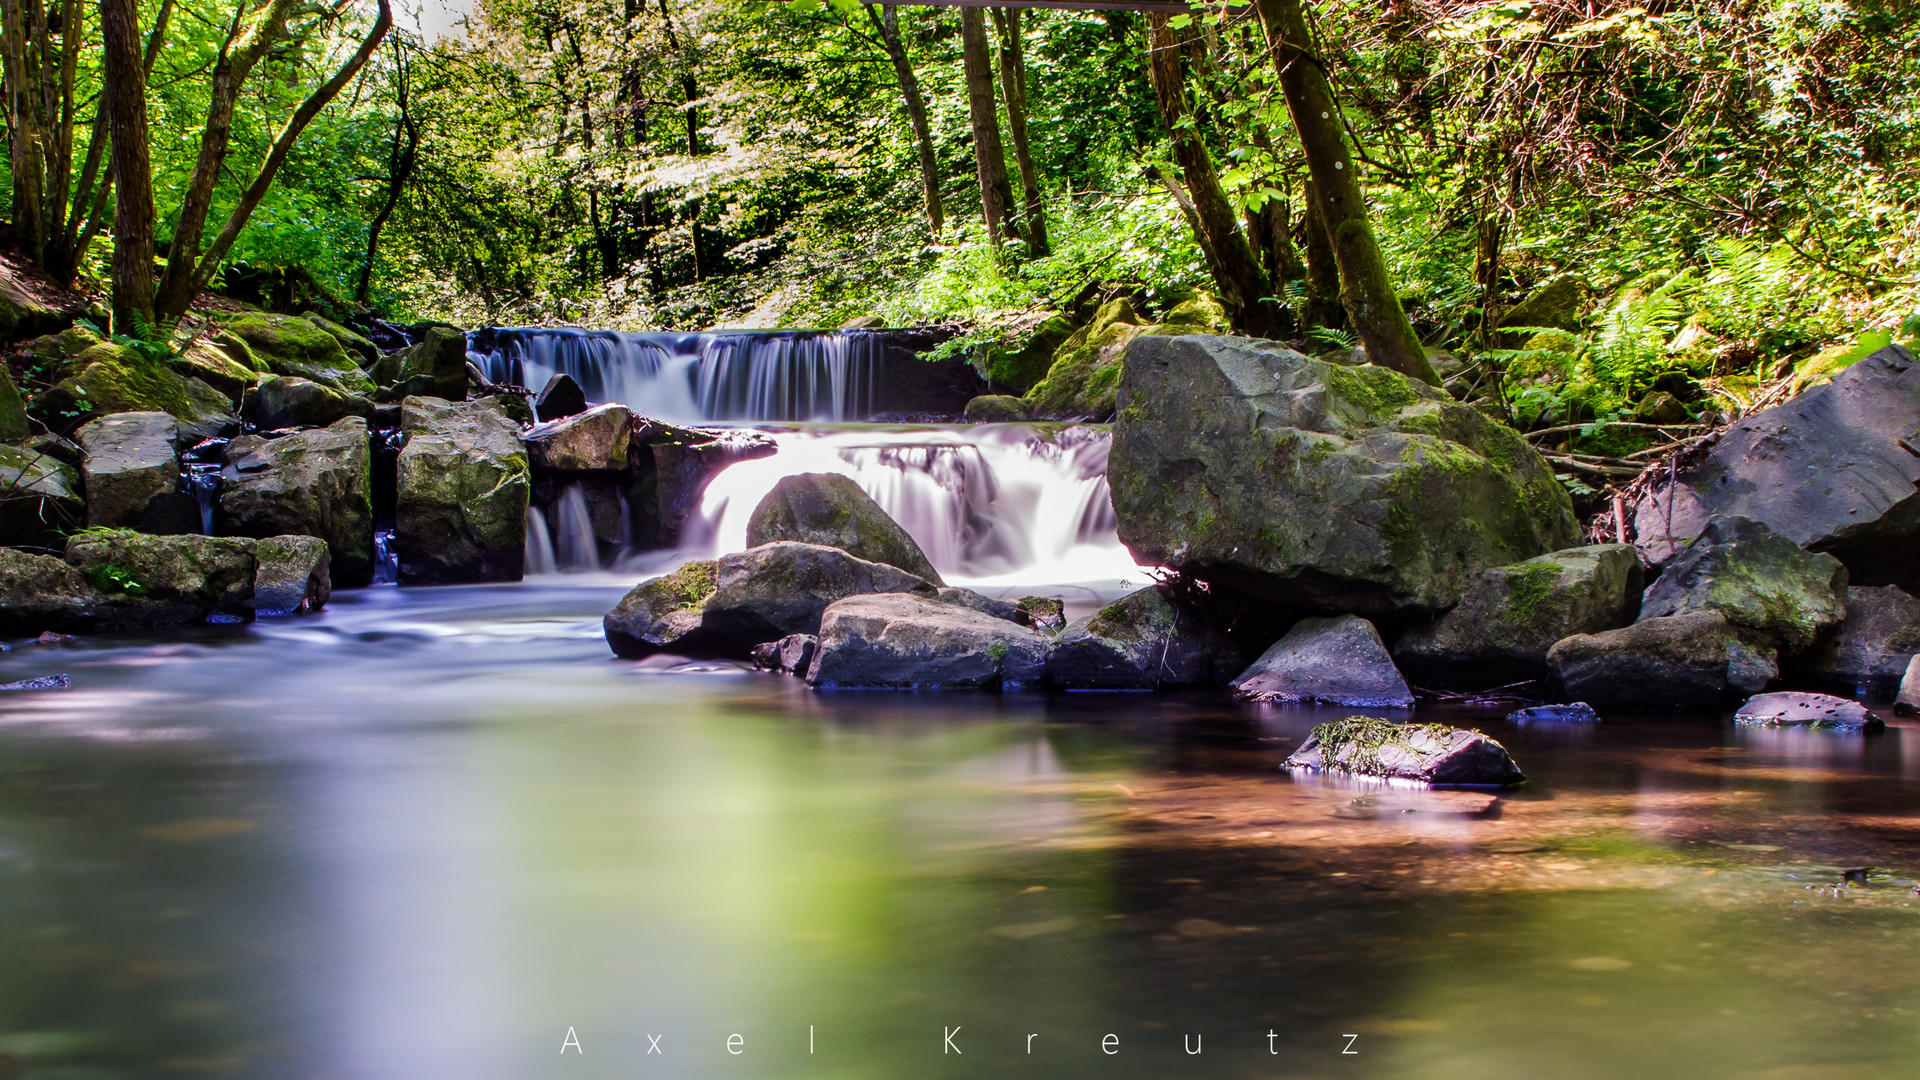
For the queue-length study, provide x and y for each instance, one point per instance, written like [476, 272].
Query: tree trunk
[989, 160]
[888, 24]
[1365, 287]
[1013, 87]
[23, 28]
[1243, 287]
[1322, 306]
[400, 166]
[123, 95]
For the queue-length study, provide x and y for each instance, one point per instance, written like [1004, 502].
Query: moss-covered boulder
[159, 580]
[1427, 753]
[14, 427]
[1764, 584]
[1081, 382]
[434, 366]
[1329, 487]
[217, 367]
[595, 440]
[132, 474]
[913, 642]
[462, 493]
[110, 378]
[1017, 368]
[289, 401]
[358, 345]
[1510, 617]
[1558, 303]
[39, 498]
[995, 409]
[1140, 642]
[658, 614]
[292, 575]
[23, 313]
[830, 509]
[42, 592]
[288, 345]
[310, 483]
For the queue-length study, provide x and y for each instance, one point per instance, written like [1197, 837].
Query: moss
[997, 650]
[1529, 588]
[1376, 391]
[1356, 742]
[687, 587]
[1401, 534]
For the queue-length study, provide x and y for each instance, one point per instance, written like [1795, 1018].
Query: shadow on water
[426, 833]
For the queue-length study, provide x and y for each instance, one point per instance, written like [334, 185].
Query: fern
[1333, 339]
[1629, 347]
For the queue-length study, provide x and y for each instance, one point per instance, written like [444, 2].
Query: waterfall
[574, 547]
[540, 557]
[692, 377]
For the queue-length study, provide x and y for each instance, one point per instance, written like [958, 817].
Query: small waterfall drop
[540, 557]
[574, 546]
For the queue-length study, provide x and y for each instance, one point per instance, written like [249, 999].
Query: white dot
[1323, 116]
[1339, 164]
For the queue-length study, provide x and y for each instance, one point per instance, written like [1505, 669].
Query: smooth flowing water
[427, 833]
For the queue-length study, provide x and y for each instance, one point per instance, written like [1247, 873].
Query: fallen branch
[1664, 429]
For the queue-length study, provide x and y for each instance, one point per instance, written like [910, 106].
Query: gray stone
[561, 396]
[1672, 663]
[1908, 701]
[1140, 642]
[1761, 581]
[793, 653]
[1511, 616]
[280, 401]
[659, 613]
[39, 498]
[42, 592]
[291, 575]
[1428, 753]
[782, 588]
[44, 682]
[311, 483]
[1339, 661]
[461, 493]
[1874, 644]
[588, 441]
[143, 580]
[1814, 712]
[1578, 712]
[131, 460]
[1045, 613]
[1751, 668]
[967, 598]
[435, 366]
[1832, 470]
[1301, 482]
[907, 641]
[830, 509]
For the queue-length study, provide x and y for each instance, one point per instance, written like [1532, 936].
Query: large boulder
[358, 345]
[1875, 642]
[1339, 661]
[461, 495]
[1832, 469]
[905, 641]
[1140, 642]
[1303, 482]
[781, 588]
[1674, 663]
[157, 580]
[1085, 370]
[1018, 369]
[830, 509]
[675, 463]
[1428, 753]
[434, 366]
[132, 474]
[292, 346]
[1760, 580]
[291, 575]
[210, 362]
[311, 483]
[594, 440]
[289, 401]
[111, 378]
[1510, 617]
[1908, 701]
[39, 498]
[43, 592]
[661, 613]
[1812, 712]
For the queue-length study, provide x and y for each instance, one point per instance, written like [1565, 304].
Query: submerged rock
[1140, 642]
[1760, 580]
[461, 495]
[1875, 642]
[39, 498]
[1429, 753]
[593, 440]
[781, 588]
[1578, 712]
[311, 483]
[132, 471]
[1339, 661]
[1670, 663]
[292, 575]
[1510, 617]
[905, 641]
[1854, 433]
[1299, 481]
[1815, 712]
[44, 682]
[659, 613]
[830, 509]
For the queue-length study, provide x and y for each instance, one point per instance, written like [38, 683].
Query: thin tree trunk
[1322, 307]
[989, 160]
[888, 24]
[1013, 87]
[400, 166]
[123, 95]
[23, 27]
[1236, 272]
[1365, 286]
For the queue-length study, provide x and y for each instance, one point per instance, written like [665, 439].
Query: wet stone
[1578, 712]
[1815, 712]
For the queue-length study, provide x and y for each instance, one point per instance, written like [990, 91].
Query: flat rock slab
[1427, 753]
[906, 641]
[1815, 712]
[1578, 712]
[1340, 661]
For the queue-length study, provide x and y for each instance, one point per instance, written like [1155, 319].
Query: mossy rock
[39, 498]
[1427, 753]
[358, 345]
[1558, 303]
[831, 510]
[639, 625]
[13, 411]
[312, 483]
[434, 366]
[996, 409]
[115, 379]
[1019, 369]
[1139, 642]
[156, 580]
[1761, 581]
[51, 354]
[1080, 383]
[462, 490]
[1198, 314]
[287, 345]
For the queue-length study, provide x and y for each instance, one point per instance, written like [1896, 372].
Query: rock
[1019, 369]
[38, 592]
[967, 598]
[677, 463]
[904, 641]
[1854, 433]
[1672, 663]
[1908, 702]
[48, 637]
[1085, 370]
[1340, 661]
[592, 440]
[357, 345]
[214, 365]
[112, 378]
[1815, 712]
[461, 493]
[14, 427]
[1660, 407]
[1751, 668]
[1044, 613]
[1558, 303]
[639, 625]
[291, 575]
[281, 401]
[793, 653]
[434, 366]
[296, 347]
[132, 462]
[146, 580]
[1228, 454]
[22, 312]
[1578, 712]
[1761, 581]
[44, 682]
[311, 483]
[781, 588]
[995, 409]
[65, 451]
[39, 498]
[1880, 634]
[1511, 616]
[561, 396]
[1140, 642]
[1429, 753]
[830, 509]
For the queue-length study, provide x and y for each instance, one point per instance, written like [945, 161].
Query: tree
[887, 23]
[1013, 87]
[989, 158]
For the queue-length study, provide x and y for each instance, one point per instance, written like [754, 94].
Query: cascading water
[688, 378]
